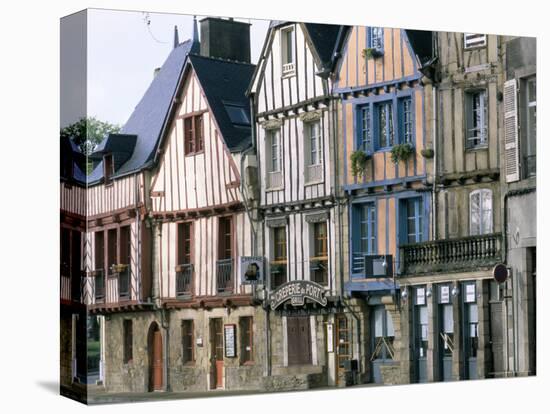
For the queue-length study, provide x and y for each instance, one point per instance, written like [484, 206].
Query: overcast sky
[123, 52]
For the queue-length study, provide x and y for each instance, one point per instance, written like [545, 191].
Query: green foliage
[427, 153]
[370, 53]
[359, 160]
[87, 133]
[401, 152]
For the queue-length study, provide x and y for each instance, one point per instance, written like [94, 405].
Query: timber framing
[232, 207]
[209, 302]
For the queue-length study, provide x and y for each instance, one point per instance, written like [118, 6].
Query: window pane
[389, 325]
[448, 319]
[378, 321]
[474, 214]
[382, 130]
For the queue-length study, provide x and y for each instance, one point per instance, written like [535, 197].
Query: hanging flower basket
[359, 160]
[401, 152]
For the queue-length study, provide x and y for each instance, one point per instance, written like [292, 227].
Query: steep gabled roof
[149, 117]
[224, 84]
[70, 153]
[324, 37]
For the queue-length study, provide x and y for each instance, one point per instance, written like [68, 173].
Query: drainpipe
[435, 176]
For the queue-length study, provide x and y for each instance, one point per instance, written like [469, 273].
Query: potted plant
[401, 152]
[118, 268]
[370, 53]
[427, 153]
[359, 160]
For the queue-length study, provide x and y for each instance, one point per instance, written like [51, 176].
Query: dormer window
[375, 40]
[108, 168]
[288, 51]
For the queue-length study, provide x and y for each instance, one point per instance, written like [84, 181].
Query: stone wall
[65, 349]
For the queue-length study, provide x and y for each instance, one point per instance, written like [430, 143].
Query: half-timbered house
[383, 137]
[295, 127]
[72, 231]
[201, 224]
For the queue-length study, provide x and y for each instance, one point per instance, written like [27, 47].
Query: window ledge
[313, 182]
[288, 74]
[247, 364]
[270, 189]
[190, 154]
[477, 148]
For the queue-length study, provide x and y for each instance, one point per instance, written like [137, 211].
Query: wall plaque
[229, 340]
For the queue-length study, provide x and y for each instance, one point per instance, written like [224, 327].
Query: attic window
[472, 40]
[287, 50]
[108, 168]
[193, 131]
[237, 114]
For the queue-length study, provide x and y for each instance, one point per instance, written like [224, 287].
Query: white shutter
[474, 40]
[511, 139]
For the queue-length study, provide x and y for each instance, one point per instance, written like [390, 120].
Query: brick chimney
[225, 39]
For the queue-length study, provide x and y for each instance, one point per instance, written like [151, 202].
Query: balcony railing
[224, 273]
[99, 285]
[467, 253]
[288, 68]
[274, 180]
[314, 173]
[184, 279]
[124, 283]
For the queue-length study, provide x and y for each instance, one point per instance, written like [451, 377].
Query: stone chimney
[225, 39]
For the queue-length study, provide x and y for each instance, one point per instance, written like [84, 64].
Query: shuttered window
[481, 212]
[193, 134]
[511, 147]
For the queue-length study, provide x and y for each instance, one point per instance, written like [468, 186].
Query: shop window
[187, 339]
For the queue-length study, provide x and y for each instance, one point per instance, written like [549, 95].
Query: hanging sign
[252, 269]
[229, 340]
[297, 292]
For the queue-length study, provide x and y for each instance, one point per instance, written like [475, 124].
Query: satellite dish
[500, 273]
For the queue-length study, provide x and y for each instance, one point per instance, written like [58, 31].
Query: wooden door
[216, 353]
[299, 340]
[157, 360]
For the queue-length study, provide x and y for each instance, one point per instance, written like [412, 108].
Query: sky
[123, 52]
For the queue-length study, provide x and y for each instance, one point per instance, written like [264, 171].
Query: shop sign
[252, 269]
[297, 292]
[229, 340]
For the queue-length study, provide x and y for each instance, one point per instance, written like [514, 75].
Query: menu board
[229, 340]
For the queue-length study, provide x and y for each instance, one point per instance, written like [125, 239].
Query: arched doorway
[154, 346]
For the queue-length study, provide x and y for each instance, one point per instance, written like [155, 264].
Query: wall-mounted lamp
[454, 291]
[428, 292]
[404, 295]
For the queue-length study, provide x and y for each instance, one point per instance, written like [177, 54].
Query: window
[481, 212]
[476, 118]
[411, 221]
[278, 264]
[384, 124]
[187, 341]
[319, 260]
[108, 168]
[364, 234]
[529, 130]
[225, 238]
[99, 251]
[287, 50]
[193, 133]
[314, 135]
[376, 39]
[246, 339]
[237, 114]
[111, 248]
[224, 273]
[421, 323]
[383, 334]
[406, 120]
[275, 143]
[128, 339]
[472, 40]
[365, 142]
[184, 243]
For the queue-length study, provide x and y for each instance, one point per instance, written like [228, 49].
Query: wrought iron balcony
[467, 253]
[224, 273]
[184, 279]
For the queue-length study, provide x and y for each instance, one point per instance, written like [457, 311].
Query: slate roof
[324, 37]
[149, 116]
[224, 81]
[69, 150]
[421, 43]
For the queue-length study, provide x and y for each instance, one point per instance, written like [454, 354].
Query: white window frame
[288, 66]
[482, 134]
[485, 224]
[274, 158]
[314, 148]
[474, 40]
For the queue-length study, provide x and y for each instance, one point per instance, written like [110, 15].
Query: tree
[87, 133]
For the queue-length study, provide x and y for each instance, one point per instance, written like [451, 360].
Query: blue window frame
[375, 39]
[384, 122]
[406, 131]
[411, 221]
[363, 233]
